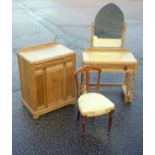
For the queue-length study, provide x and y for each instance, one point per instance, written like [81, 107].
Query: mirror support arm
[92, 34]
[123, 35]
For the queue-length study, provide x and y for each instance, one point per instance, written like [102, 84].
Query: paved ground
[57, 133]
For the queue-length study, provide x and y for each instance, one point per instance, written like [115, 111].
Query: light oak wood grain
[46, 75]
[113, 59]
[92, 41]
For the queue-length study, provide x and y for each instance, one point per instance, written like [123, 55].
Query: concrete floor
[57, 133]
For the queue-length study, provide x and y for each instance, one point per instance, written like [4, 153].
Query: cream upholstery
[94, 104]
[102, 42]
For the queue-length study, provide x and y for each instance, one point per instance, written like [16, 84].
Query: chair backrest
[84, 85]
[109, 28]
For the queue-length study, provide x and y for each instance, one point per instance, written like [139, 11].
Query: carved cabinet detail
[46, 75]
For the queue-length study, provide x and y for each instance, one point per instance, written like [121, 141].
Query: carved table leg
[126, 88]
[132, 87]
[129, 88]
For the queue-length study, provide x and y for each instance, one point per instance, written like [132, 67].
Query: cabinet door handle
[125, 68]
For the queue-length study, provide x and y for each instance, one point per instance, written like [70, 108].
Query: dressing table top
[108, 56]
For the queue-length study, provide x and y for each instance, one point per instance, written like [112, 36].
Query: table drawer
[117, 68]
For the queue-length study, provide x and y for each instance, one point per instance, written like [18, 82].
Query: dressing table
[114, 60]
[107, 48]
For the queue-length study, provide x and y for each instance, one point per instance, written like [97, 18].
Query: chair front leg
[78, 115]
[84, 118]
[110, 120]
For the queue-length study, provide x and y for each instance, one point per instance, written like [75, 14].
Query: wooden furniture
[47, 77]
[114, 60]
[108, 51]
[91, 104]
[107, 42]
[109, 27]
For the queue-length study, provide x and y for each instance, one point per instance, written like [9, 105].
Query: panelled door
[69, 79]
[54, 84]
[40, 90]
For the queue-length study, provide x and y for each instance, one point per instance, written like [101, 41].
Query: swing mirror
[108, 27]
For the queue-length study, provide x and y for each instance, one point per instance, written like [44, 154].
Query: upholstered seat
[91, 104]
[94, 104]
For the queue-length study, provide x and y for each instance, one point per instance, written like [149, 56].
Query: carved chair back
[84, 84]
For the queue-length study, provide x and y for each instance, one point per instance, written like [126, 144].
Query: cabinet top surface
[108, 56]
[44, 51]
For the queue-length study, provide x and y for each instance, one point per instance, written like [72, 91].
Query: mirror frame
[122, 35]
[122, 39]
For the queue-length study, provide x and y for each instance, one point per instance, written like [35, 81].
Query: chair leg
[84, 118]
[78, 115]
[110, 121]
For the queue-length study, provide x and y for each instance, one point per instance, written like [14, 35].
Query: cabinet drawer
[38, 67]
[54, 63]
[70, 58]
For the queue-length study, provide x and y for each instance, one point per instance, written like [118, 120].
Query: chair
[108, 30]
[91, 104]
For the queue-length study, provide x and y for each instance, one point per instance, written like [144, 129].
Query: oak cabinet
[47, 80]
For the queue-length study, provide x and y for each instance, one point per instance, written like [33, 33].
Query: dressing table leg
[129, 86]
[132, 86]
[127, 89]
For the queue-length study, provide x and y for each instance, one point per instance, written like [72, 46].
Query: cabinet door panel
[69, 80]
[54, 84]
[60, 84]
[40, 87]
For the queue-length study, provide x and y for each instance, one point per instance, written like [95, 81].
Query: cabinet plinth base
[35, 117]
[37, 113]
